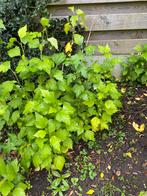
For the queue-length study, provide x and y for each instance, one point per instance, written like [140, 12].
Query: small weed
[110, 190]
[85, 168]
[58, 182]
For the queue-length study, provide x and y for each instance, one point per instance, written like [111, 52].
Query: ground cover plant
[51, 102]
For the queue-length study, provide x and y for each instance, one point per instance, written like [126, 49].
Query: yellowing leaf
[22, 32]
[145, 94]
[101, 175]
[95, 122]
[90, 192]
[128, 154]
[139, 128]
[123, 90]
[68, 47]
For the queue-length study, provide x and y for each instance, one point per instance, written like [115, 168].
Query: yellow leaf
[123, 90]
[138, 128]
[68, 47]
[90, 192]
[101, 175]
[145, 94]
[128, 154]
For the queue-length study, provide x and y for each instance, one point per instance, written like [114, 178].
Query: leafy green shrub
[135, 67]
[52, 100]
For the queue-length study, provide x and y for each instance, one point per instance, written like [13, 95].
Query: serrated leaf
[95, 122]
[58, 58]
[29, 107]
[49, 97]
[18, 192]
[2, 24]
[58, 75]
[40, 134]
[62, 116]
[110, 107]
[5, 66]
[67, 28]
[89, 135]
[53, 42]
[15, 116]
[78, 39]
[5, 187]
[59, 162]
[55, 143]
[14, 52]
[22, 32]
[2, 167]
[44, 22]
[41, 122]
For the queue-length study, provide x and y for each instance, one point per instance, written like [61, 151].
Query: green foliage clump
[135, 67]
[52, 101]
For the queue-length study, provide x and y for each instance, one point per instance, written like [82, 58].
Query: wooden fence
[120, 23]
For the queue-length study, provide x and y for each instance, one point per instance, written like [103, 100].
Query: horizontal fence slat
[111, 35]
[109, 8]
[105, 22]
[71, 2]
[120, 47]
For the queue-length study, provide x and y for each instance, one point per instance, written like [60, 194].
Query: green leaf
[11, 42]
[95, 122]
[89, 135]
[49, 97]
[41, 122]
[40, 134]
[18, 192]
[67, 28]
[74, 20]
[78, 39]
[58, 75]
[59, 162]
[22, 32]
[15, 116]
[53, 42]
[55, 143]
[2, 123]
[29, 107]
[110, 107]
[14, 52]
[5, 66]
[78, 89]
[44, 22]
[2, 167]
[67, 108]
[62, 116]
[5, 187]
[58, 58]
[2, 24]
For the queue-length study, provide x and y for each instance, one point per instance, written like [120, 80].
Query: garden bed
[119, 156]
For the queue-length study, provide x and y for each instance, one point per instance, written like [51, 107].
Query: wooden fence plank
[111, 35]
[105, 22]
[120, 47]
[71, 2]
[134, 7]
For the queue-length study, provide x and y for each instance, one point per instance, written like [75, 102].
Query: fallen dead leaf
[123, 90]
[90, 192]
[101, 175]
[138, 128]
